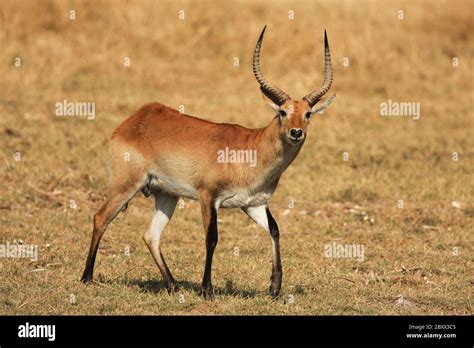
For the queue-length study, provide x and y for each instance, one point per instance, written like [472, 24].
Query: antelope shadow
[157, 286]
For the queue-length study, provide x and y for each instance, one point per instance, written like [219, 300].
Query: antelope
[168, 154]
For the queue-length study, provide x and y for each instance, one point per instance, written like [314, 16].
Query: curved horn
[313, 97]
[277, 95]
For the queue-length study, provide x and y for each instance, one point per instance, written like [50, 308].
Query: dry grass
[408, 251]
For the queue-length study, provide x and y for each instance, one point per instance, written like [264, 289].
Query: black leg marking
[210, 219]
[277, 272]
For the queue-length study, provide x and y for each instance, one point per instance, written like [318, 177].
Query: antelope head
[294, 115]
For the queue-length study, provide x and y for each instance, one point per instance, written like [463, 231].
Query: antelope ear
[320, 107]
[270, 103]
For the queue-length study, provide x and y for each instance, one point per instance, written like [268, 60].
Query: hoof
[86, 279]
[172, 288]
[208, 294]
[274, 293]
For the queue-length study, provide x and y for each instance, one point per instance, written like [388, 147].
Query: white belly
[173, 186]
[242, 198]
[236, 198]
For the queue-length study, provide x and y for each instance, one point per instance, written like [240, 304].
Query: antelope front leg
[262, 216]
[209, 218]
[277, 272]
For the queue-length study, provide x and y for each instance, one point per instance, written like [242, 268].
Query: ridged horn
[313, 97]
[277, 95]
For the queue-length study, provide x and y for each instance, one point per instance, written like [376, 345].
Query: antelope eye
[282, 113]
[307, 115]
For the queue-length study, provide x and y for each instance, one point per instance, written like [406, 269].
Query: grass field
[418, 259]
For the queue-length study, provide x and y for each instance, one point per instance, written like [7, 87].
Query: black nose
[296, 133]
